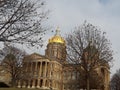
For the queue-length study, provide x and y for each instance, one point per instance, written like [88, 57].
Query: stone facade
[4, 76]
[41, 73]
[53, 72]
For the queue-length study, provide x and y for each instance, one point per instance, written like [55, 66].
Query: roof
[34, 56]
[57, 38]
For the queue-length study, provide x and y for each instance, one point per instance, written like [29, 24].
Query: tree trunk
[13, 83]
[87, 82]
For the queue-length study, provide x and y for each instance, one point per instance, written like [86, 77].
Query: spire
[57, 32]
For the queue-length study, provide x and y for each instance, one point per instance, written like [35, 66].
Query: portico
[40, 73]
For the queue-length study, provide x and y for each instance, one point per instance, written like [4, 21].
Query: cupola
[57, 38]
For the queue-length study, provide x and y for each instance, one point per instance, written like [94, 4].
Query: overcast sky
[105, 14]
[68, 14]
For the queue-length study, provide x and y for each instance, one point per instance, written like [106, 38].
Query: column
[40, 71]
[43, 84]
[50, 70]
[19, 84]
[31, 68]
[24, 84]
[53, 84]
[36, 63]
[28, 84]
[50, 75]
[38, 83]
[56, 75]
[33, 84]
[48, 83]
[45, 71]
[71, 75]
[26, 66]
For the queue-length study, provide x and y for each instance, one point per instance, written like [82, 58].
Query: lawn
[18, 89]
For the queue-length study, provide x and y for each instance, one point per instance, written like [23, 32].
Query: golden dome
[57, 38]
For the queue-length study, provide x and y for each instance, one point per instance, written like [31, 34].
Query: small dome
[57, 38]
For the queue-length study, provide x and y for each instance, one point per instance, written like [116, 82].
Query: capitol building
[53, 72]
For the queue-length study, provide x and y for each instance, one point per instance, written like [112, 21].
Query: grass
[18, 89]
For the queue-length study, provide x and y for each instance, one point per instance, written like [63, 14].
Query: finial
[57, 31]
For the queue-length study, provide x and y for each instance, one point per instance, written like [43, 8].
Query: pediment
[34, 56]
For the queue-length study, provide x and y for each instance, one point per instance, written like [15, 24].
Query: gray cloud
[68, 14]
[102, 13]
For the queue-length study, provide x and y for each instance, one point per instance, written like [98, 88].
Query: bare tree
[22, 21]
[7, 49]
[89, 47]
[96, 81]
[115, 81]
[12, 62]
